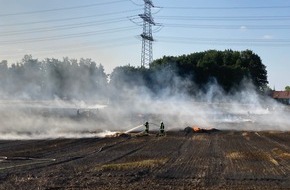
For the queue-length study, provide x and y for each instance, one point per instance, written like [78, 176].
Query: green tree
[31, 76]
[228, 68]
[256, 69]
[287, 88]
[3, 77]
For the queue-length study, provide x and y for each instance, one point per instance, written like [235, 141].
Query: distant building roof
[281, 94]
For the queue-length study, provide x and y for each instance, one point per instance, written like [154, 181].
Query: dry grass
[280, 153]
[199, 137]
[132, 165]
[252, 156]
[245, 134]
[235, 155]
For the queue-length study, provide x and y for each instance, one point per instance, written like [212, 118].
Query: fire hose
[35, 161]
[26, 158]
[154, 124]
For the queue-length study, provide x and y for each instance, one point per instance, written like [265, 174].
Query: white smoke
[47, 119]
[244, 109]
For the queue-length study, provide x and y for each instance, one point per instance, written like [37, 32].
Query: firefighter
[146, 127]
[161, 131]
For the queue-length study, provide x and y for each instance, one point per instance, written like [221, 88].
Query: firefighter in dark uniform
[161, 131]
[146, 127]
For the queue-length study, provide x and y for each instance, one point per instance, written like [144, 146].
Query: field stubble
[218, 160]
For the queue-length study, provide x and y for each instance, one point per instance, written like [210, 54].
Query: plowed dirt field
[217, 160]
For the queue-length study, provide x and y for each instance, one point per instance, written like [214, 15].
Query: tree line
[52, 78]
[196, 72]
[84, 79]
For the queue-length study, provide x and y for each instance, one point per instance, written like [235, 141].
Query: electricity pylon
[147, 38]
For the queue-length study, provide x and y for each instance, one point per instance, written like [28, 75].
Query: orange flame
[196, 129]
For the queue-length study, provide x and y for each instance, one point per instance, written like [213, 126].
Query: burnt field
[217, 160]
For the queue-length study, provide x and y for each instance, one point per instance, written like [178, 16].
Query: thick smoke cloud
[90, 107]
[242, 109]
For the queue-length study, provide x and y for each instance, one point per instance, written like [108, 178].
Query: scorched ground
[217, 160]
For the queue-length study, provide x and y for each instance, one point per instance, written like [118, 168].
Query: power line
[60, 37]
[225, 41]
[99, 44]
[116, 20]
[147, 33]
[62, 27]
[60, 9]
[217, 8]
[226, 18]
[256, 27]
[135, 3]
[68, 19]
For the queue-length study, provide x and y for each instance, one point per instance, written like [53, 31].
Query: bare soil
[217, 160]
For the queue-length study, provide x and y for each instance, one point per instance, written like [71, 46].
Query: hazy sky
[108, 32]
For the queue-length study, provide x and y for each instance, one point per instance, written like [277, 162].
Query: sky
[108, 31]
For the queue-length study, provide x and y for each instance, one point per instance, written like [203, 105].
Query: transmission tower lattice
[147, 38]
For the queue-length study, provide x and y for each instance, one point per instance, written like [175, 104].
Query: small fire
[196, 129]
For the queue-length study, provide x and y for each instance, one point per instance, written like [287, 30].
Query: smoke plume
[122, 107]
